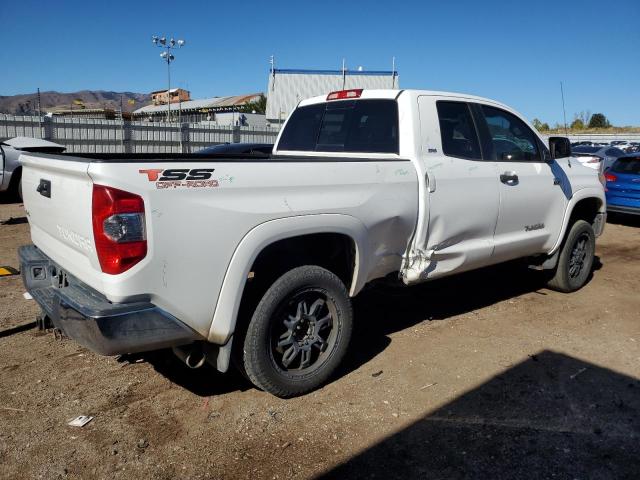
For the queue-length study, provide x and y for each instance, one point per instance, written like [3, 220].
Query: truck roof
[393, 94]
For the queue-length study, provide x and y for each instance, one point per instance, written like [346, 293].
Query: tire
[299, 332]
[575, 260]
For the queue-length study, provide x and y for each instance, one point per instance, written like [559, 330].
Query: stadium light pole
[168, 57]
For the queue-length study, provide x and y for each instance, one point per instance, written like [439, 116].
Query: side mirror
[560, 147]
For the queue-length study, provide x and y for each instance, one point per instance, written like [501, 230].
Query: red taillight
[610, 177]
[118, 228]
[343, 94]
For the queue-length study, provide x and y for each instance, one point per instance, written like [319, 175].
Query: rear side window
[627, 165]
[367, 126]
[512, 139]
[457, 130]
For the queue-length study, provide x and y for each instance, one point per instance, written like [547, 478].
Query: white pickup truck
[259, 255]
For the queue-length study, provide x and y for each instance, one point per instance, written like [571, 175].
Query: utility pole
[121, 125]
[393, 72]
[168, 57]
[344, 74]
[39, 113]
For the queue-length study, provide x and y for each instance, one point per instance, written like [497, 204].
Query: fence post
[126, 137]
[184, 138]
[48, 129]
[236, 134]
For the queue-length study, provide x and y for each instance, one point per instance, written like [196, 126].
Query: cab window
[511, 139]
[457, 130]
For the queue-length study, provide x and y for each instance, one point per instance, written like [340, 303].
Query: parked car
[597, 157]
[238, 148]
[623, 185]
[10, 168]
[216, 255]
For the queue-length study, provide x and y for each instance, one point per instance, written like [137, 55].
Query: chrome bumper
[86, 315]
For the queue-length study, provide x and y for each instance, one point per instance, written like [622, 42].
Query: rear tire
[575, 260]
[299, 332]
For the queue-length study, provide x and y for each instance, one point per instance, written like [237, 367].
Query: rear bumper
[86, 316]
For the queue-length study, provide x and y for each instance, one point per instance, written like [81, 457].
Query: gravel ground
[484, 375]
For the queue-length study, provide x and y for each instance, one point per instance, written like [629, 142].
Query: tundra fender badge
[530, 228]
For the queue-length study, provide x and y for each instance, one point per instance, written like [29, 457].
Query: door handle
[509, 178]
[44, 188]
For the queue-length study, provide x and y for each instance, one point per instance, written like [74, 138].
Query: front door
[534, 190]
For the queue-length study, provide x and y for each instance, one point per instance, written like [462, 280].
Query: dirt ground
[486, 375]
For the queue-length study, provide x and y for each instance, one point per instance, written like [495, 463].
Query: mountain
[27, 104]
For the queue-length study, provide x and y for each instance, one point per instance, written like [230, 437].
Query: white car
[597, 157]
[10, 168]
[259, 256]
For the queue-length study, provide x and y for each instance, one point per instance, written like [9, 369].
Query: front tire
[299, 332]
[575, 260]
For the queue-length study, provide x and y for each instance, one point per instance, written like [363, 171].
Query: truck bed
[194, 230]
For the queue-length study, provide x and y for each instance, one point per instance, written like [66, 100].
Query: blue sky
[515, 52]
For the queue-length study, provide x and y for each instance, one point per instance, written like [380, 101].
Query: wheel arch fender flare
[256, 240]
[578, 196]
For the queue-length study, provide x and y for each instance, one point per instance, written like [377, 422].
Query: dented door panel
[462, 202]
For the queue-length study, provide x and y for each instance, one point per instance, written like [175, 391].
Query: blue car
[623, 185]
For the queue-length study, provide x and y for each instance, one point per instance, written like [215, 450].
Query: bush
[577, 124]
[598, 120]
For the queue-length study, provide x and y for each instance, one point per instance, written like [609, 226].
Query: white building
[288, 87]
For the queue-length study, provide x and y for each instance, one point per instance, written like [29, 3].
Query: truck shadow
[205, 381]
[550, 416]
[378, 312]
[381, 311]
[7, 198]
[624, 219]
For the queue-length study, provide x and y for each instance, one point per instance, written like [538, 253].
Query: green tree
[577, 124]
[543, 127]
[257, 106]
[598, 120]
[536, 123]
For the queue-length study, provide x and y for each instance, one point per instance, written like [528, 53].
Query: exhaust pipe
[193, 356]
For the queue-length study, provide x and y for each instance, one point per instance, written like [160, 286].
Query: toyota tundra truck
[255, 258]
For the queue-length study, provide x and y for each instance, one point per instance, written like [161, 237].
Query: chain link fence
[89, 135]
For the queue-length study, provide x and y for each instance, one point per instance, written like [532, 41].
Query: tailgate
[57, 194]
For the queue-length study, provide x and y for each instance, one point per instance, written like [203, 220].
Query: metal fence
[88, 135]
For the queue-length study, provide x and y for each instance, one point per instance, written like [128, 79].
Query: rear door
[463, 189]
[534, 190]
